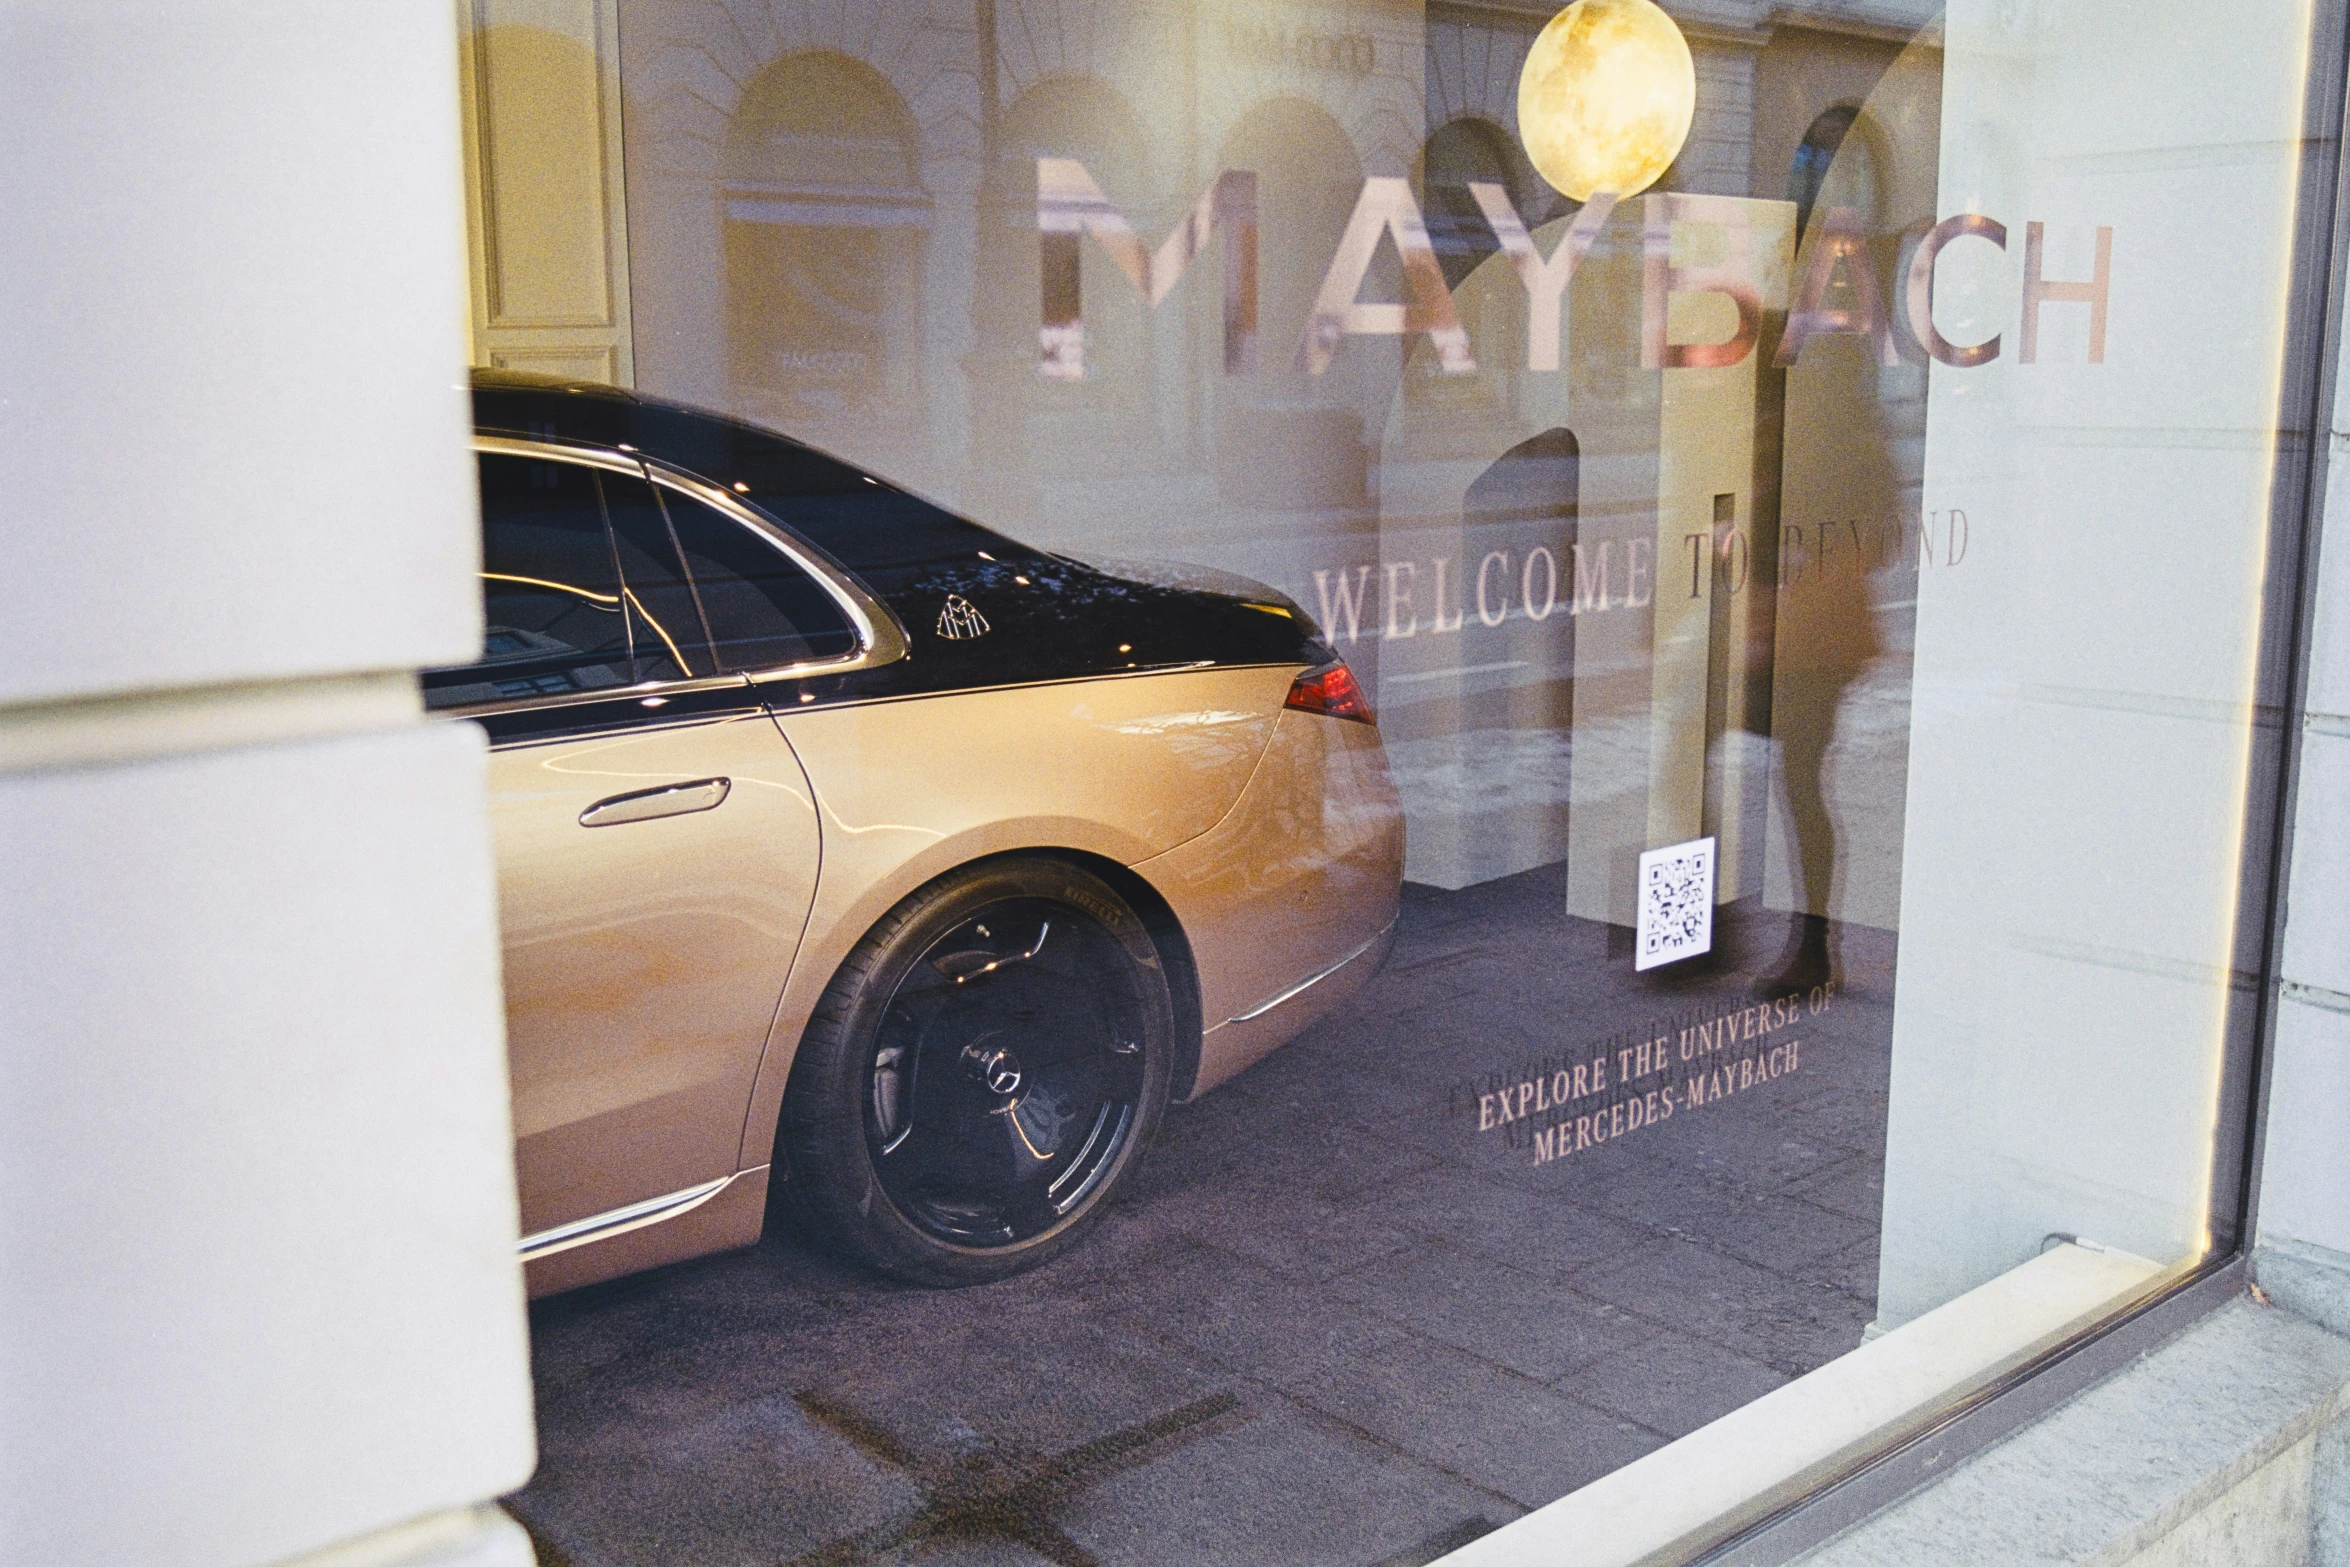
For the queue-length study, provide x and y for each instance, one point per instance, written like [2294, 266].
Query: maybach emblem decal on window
[959, 619]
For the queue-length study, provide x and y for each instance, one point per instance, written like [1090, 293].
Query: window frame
[880, 639]
[2309, 405]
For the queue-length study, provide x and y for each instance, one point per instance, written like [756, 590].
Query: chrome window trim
[643, 689]
[560, 451]
[880, 639]
[716, 682]
[1189, 666]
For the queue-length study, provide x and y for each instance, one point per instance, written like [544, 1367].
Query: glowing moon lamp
[1606, 97]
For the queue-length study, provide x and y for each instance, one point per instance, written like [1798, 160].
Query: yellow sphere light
[1606, 97]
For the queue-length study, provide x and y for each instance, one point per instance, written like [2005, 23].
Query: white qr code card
[1676, 903]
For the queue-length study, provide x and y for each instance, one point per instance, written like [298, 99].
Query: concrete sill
[1693, 1493]
[479, 1536]
[2222, 1448]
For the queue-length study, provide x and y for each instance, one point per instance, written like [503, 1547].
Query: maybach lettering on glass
[1071, 205]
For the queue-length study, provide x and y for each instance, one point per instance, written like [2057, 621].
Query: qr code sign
[1676, 903]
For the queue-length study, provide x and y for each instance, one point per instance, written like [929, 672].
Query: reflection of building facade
[829, 226]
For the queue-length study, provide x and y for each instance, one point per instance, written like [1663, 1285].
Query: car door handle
[643, 805]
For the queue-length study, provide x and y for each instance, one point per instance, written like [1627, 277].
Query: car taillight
[1332, 691]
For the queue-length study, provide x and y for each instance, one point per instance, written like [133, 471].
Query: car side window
[553, 607]
[663, 608]
[593, 579]
[763, 609]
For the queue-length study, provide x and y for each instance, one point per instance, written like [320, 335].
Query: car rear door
[656, 840]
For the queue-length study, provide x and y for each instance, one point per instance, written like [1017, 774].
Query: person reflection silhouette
[1827, 624]
[1841, 639]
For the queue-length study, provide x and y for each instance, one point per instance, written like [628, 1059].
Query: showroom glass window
[1811, 590]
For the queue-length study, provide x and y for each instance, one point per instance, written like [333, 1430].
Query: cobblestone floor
[1337, 1320]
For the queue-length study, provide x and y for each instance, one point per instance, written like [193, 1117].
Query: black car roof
[499, 378]
[885, 528]
[1052, 617]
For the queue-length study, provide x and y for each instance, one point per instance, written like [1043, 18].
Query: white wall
[2305, 1173]
[257, 1287]
[2083, 689]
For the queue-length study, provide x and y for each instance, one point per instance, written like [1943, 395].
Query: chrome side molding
[1304, 985]
[619, 1221]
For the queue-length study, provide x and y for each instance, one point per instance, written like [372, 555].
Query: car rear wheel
[982, 1073]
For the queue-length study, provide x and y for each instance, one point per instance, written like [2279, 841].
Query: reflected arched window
[1535, 486]
[1857, 176]
[1032, 432]
[1083, 118]
[824, 221]
[1286, 440]
[1459, 152]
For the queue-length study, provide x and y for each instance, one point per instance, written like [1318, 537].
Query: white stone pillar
[258, 1296]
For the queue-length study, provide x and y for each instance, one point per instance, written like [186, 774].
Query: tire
[983, 1072]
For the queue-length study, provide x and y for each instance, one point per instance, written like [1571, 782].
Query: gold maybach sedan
[849, 848]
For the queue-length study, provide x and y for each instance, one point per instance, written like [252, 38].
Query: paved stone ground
[1334, 1322]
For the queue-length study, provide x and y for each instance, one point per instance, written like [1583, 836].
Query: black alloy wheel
[982, 1073]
